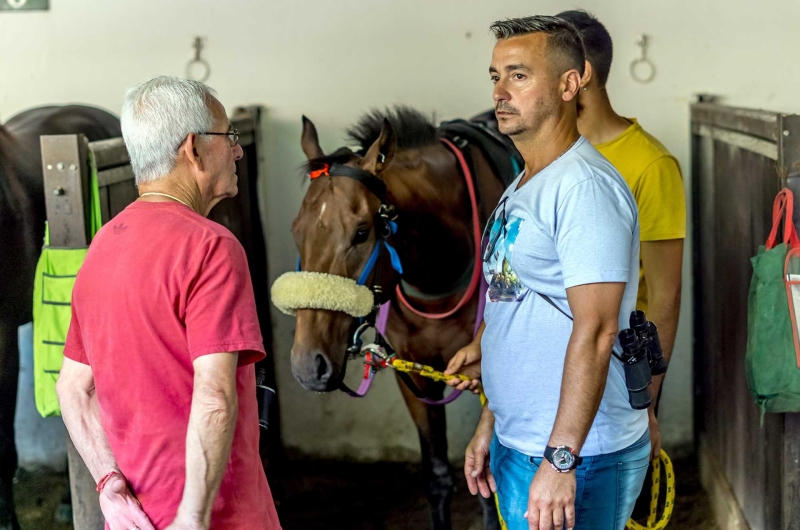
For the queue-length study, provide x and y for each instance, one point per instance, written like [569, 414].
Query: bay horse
[343, 220]
[22, 218]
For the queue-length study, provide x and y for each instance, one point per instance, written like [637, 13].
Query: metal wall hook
[643, 63]
[198, 61]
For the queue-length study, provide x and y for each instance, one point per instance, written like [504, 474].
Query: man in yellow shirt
[654, 177]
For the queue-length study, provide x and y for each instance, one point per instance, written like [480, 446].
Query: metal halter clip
[387, 211]
[355, 345]
[376, 349]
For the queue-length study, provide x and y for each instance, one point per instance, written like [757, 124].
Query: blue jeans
[607, 485]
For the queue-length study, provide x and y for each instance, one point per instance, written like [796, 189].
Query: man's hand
[476, 460]
[120, 508]
[655, 437]
[466, 361]
[551, 501]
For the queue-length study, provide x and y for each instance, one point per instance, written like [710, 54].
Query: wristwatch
[562, 458]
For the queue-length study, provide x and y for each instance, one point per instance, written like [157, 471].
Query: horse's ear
[381, 152]
[309, 141]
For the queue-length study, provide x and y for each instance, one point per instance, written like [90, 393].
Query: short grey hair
[563, 38]
[157, 116]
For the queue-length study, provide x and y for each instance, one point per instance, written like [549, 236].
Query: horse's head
[336, 232]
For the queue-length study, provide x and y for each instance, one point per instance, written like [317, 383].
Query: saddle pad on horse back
[497, 148]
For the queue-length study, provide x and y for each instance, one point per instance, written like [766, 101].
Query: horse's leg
[9, 372]
[432, 427]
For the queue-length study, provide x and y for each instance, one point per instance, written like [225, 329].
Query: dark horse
[22, 217]
[338, 227]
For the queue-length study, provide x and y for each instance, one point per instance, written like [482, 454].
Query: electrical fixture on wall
[642, 69]
[24, 5]
[198, 68]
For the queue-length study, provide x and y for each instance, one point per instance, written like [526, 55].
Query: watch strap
[549, 451]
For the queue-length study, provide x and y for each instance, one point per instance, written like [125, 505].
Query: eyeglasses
[492, 231]
[232, 134]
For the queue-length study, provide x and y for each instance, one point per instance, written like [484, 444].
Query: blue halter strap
[373, 258]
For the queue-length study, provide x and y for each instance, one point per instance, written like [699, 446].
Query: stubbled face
[335, 234]
[526, 90]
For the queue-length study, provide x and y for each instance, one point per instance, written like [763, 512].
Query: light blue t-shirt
[573, 223]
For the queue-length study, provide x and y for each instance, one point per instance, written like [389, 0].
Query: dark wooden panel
[120, 195]
[743, 179]
[110, 153]
[108, 177]
[790, 152]
[759, 123]
[105, 213]
[733, 190]
[245, 119]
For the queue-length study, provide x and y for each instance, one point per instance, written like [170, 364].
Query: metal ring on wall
[651, 70]
[198, 59]
[205, 73]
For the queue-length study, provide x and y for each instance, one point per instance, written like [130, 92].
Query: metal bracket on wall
[66, 189]
[24, 5]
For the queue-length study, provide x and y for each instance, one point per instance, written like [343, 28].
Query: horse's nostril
[323, 368]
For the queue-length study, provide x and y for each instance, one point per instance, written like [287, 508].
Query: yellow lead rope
[669, 503]
[430, 373]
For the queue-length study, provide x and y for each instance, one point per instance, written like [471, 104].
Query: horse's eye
[361, 235]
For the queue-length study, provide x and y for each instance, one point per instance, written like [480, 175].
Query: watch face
[563, 459]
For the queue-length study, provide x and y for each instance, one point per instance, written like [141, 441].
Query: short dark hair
[562, 38]
[596, 41]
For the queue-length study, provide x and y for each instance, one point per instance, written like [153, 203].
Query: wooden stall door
[740, 160]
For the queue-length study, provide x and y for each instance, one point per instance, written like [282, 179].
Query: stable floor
[336, 495]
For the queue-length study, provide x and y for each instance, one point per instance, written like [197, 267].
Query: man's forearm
[479, 335]
[486, 420]
[208, 449]
[81, 415]
[663, 311]
[582, 386]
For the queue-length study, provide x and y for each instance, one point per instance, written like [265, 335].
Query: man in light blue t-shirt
[559, 441]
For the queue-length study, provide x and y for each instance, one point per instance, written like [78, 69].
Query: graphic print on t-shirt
[504, 284]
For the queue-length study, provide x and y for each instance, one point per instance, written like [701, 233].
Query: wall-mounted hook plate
[24, 5]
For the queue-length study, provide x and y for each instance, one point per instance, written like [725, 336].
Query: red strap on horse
[319, 172]
[476, 231]
[782, 209]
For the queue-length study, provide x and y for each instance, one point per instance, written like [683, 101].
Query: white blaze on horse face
[322, 210]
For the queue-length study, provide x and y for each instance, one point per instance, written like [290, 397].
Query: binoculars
[641, 357]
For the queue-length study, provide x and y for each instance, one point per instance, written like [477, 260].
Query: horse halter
[386, 214]
[315, 290]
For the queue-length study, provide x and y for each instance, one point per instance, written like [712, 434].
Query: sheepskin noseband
[319, 290]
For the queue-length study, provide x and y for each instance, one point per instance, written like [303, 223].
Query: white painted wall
[334, 60]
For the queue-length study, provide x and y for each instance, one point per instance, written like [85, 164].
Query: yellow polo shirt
[654, 177]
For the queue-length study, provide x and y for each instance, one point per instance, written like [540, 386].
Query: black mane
[411, 128]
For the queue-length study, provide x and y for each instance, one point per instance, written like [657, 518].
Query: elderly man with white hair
[158, 384]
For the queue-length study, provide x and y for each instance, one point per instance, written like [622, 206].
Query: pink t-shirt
[161, 286]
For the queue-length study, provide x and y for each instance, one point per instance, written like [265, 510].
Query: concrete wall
[335, 60]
